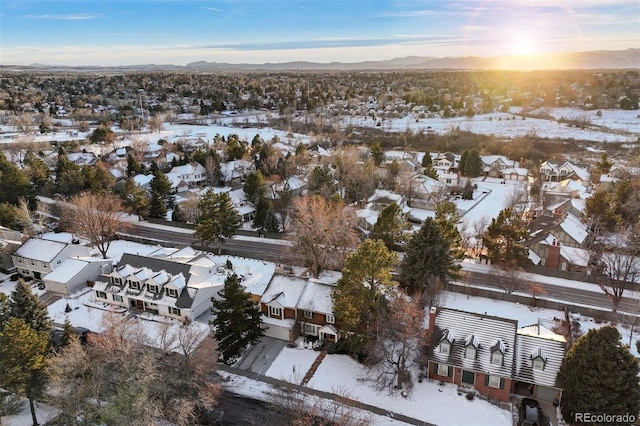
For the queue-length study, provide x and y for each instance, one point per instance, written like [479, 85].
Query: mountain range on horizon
[600, 59]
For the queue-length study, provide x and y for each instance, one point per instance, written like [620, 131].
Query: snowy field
[610, 126]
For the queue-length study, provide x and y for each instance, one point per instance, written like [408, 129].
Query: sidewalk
[320, 394]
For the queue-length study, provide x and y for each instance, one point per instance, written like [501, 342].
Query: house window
[445, 348]
[115, 280]
[134, 285]
[153, 288]
[174, 311]
[496, 358]
[494, 382]
[19, 260]
[32, 262]
[311, 329]
[538, 364]
[470, 352]
[58, 262]
[275, 312]
[308, 314]
[331, 319]
[172, 292]
[101, 294]
[443, 370]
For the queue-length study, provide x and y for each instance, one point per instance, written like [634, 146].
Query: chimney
[433, 312]
[554, 255]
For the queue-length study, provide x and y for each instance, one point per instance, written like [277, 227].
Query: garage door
[545, 393]
[277, 332]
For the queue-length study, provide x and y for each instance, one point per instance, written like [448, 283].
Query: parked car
[529, 412]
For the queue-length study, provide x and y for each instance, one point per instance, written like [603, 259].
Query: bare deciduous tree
[23, 122]
[155, 123]
[322, 232]
[568, 327]
[536, 290]
[96, 217]
[117, 378]
[615, 271]
[509, 278]
[395, 352]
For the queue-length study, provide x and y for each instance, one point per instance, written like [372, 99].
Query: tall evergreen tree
[599, 375]
[218, 219]
[391, 227]
[428, 257]
[473, 164]
[23, 360]
[134, 199]
[426, 160]
[157, 208]
[463, 163]
[237, 320]
[25, 305]
[430, 171]
[161, 185]
[376, 153]
[14, 184]
[255, 187]
[503, 238]
[447, 218]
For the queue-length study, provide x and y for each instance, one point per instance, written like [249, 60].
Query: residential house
[39, 257]
[381, 198]
[314, 311]
[73, 274]
[538, 356]
[235, 171]
[553, 172]
[428, 191]
[177, 284]
[193, 173]
[10, 240]
[492, 356]
[493, 165]
[82, 158]
[447, 162]
[473, 351]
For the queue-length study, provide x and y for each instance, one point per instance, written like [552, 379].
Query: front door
[468, 377]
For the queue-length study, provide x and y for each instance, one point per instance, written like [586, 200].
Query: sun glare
[522, 44]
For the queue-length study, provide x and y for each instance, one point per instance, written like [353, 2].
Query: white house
[38, 257]
[193, 173]
[73, 274]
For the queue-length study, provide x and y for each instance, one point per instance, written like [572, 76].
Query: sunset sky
[108, 32]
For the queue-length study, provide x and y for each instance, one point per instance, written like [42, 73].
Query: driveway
[258, 357]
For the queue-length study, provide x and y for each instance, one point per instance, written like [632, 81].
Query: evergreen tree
[134, 167]
[391, 227]
[37, 170]
[428, 257]
[255, 187]
[237, 320]
[161, 185]
[376, 153]
[503, 238]
[463, 162]
[69, 178]
[473, 164]
[14, 184]
[599, 375]
[25, 305]
[134, 199]
[467, 192]
[218, 219]
[68, 333]
[157, 208]
[430, 171]
[426, 160]
[447, 219]
[360, 293]
[23, 361]
[97, 179]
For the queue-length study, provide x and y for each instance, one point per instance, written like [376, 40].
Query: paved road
[589, 295]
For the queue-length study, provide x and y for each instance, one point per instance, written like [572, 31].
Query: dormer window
[497, 358]
[445, 342]
[134, 285]
[153, 288]
[497, 353]
[471, 347]
[538, 359]
[470, 352]
[172, 292]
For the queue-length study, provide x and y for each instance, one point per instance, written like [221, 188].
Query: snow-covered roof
[40, 249]
[575, 228]
[575, 256]
[481, 330]
[66, 270]
[537, 340]
[316, 297]
[285, 289]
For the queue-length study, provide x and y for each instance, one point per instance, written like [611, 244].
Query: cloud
[214, 9]
[68, 17]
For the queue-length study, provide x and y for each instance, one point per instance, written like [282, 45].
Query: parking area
[258, 357]
[549, 416]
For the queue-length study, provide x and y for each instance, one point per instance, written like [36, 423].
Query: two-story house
[492, 356]
[38, 257]
[193, 174]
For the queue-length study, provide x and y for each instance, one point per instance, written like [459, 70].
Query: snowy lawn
[292, 364]
[44, 413]
[428, 401]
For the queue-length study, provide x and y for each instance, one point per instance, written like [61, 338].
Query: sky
[117, 32]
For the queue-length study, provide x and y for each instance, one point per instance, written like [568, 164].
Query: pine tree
[463, 162]
[430, 171]
[473, 164]
[377, 153]
[237, 320]
[599, 375]
[134, 199]
[14, 184]
[503, 238]
[23, 360]
[161, 185]
[157, 209]
[447, 218]
[428, 257]
[25, 305]
[426, 160]
[255, 187]
[391, 227]
[218, 219]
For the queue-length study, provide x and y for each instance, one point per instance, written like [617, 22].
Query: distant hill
[600, 59]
